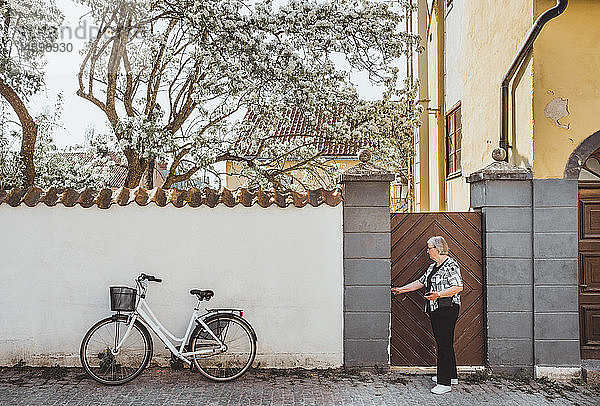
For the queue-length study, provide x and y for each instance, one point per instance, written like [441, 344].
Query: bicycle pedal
[176, 363]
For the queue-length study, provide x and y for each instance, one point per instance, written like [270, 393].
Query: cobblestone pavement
[62, 386]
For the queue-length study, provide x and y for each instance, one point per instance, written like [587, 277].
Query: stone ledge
[500, 170]
[367, 177]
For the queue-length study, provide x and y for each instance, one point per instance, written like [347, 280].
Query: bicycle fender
[125, 317]
[218, 315]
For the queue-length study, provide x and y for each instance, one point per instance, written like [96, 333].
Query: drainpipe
[502, 152]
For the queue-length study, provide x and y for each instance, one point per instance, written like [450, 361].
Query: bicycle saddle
[202, 294]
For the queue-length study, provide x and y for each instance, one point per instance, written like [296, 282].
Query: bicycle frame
[149, 319]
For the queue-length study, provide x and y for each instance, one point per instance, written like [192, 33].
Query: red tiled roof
[300, 126]
[161, 197]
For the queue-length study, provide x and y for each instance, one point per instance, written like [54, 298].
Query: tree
[72, 167]
[175, 79]
[28, 28]
[11, 170]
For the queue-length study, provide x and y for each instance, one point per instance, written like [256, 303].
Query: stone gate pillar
[503, 194]
[530, 267]
[367, 296]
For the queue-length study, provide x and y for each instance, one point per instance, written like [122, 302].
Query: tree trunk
[30, 129]
[135, 169]
[168, 182]
[149, 181]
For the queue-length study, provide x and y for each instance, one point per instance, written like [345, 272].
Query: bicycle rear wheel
[238, 355]
[105, 365]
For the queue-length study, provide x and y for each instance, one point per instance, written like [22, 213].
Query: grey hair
[440, 244]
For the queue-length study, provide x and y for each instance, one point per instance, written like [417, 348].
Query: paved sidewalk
[61, 386]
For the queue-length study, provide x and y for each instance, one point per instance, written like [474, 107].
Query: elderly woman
[443, 284]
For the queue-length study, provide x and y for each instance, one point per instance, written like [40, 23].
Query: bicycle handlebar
[150, 278]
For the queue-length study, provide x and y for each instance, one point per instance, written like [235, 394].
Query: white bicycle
[220, 343]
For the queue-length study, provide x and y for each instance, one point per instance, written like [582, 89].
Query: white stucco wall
[282, 266]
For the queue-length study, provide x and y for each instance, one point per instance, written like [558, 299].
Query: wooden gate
[412, 342]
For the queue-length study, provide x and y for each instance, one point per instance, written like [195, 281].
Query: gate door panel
[412, 342]
[589, 269]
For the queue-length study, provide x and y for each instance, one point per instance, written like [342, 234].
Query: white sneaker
[453, 381]
[439, 389]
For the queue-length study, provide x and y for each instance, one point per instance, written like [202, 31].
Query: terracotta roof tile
[104, 199]
[141, 196]
[300, 200]
[212, 197]
[280, 199]
[87, 198]
[122, 197]
[69, 197]
[193, 197]
[159, 196]
[32, 197]
[227, 198]
[15, 196]
[50, 197]
[177, 197]
[263, 199]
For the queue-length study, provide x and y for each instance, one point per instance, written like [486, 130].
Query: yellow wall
[493, 33]
[566, 64]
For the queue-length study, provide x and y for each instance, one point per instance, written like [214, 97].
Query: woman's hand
[432, 296]
[409, 287]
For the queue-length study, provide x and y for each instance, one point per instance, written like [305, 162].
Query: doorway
[589, 269]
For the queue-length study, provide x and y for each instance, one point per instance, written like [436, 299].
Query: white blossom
[177, 77]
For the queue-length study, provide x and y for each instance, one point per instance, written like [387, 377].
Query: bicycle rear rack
[238, 312]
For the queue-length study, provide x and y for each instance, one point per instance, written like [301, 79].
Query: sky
[80, 115]
[61, 76]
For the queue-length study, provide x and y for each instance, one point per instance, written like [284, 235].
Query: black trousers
[443, 321]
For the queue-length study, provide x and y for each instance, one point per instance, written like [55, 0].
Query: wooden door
[412, 342]
[589, 269]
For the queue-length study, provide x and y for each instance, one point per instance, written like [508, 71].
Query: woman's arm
[409, 287]
[445, 293]
[450, 291]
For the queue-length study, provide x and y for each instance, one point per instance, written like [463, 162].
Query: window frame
[450, 136]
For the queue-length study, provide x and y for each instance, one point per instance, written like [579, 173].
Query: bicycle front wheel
[109, 366]
[234, 361]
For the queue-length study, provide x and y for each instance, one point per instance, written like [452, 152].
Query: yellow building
[341, 160]
[553, 98]
[546, 241]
